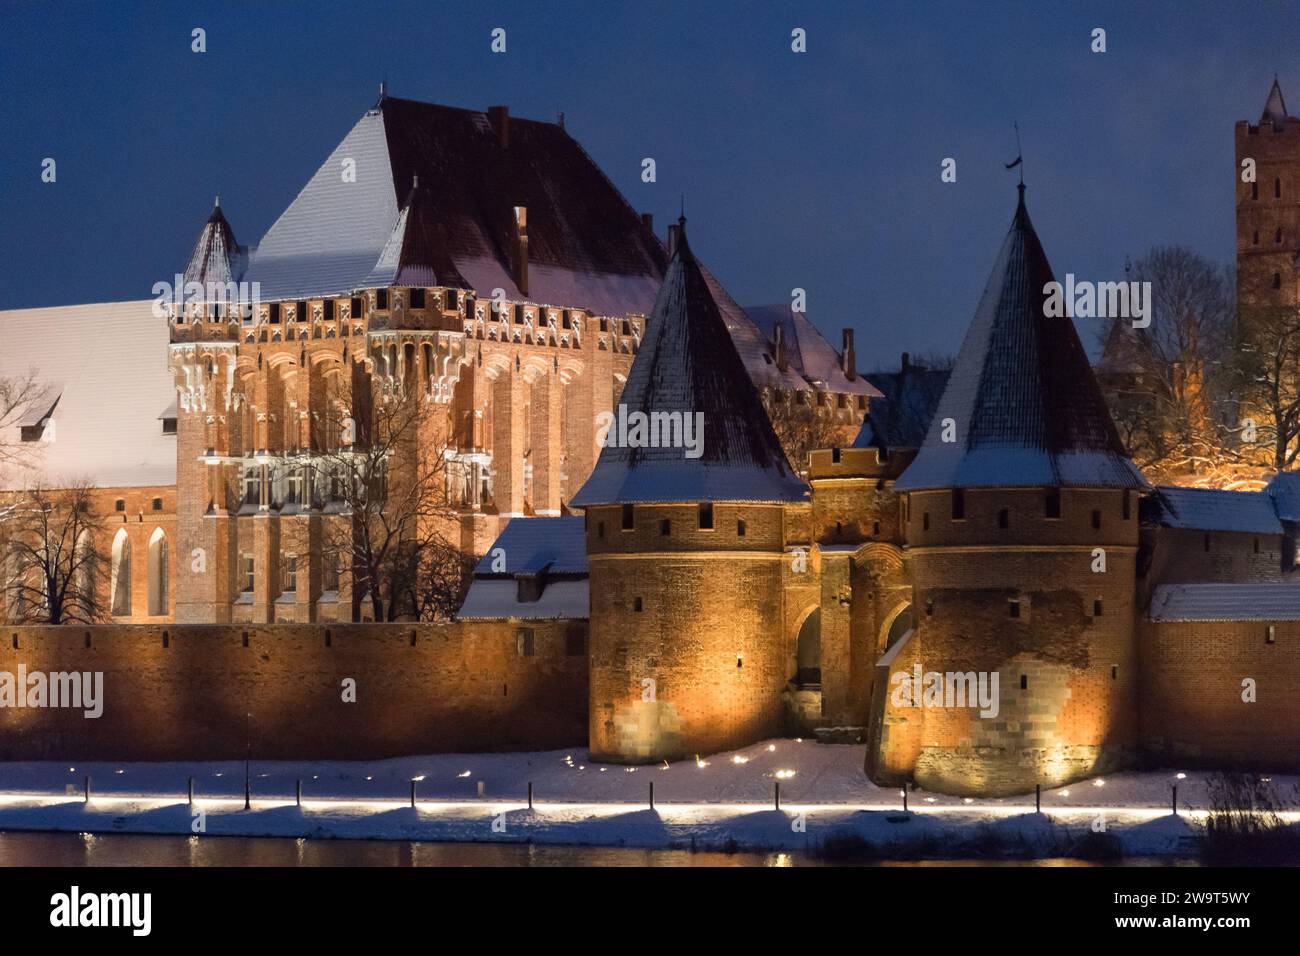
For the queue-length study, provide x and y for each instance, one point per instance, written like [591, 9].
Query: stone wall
[208, 692]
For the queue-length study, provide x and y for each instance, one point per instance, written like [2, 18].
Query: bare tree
[53, 556]
[386, 473]
[1266, 363]
[1168, 385]
[801, 429]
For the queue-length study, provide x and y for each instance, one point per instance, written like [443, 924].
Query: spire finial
[1019, 161]
[216, 203]
[415, 181]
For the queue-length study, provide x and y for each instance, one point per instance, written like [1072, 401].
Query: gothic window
[120, 575]
[248, 569]
[289, 573]
[158, 573]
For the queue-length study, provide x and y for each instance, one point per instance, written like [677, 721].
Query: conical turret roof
[416, 251]
[688, 364]
[1022, 405]
[1275, 107]
[216, 258]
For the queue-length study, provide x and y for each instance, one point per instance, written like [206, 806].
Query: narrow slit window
[1053, 503]
[706, 516]
[628, 518]
[958, 504]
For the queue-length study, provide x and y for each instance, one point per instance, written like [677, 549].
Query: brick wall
[207, 692]
[1192, 708]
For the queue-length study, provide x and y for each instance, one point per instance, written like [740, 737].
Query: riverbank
[725, 802]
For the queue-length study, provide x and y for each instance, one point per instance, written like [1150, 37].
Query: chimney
[648, 220]
[778, 348]
[673, 229]
[848, 360]
[521, 248]
[499, 117]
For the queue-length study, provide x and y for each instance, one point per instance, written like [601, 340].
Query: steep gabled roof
[688, 364]
[217, 258]
[808, 352]
[1274, 107]
[587, 248]
[1023, 402]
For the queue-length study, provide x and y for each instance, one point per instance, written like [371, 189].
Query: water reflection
[119, 849]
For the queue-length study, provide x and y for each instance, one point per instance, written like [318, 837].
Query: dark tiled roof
[1275, 107]
[1022, 397]
[587, 248]
[217, 257]
[576, 217]
[416, 253]
[688, 363]
[900, 418]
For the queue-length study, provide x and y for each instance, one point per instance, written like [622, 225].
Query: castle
[984, 521]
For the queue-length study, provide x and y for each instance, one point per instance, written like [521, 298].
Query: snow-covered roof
[494, 599]
[1212, 509]
[688, 365]
[553, 551]
[108, 365]
[808, 352]
[1284, 489]
[529, 544]
[217, 258]
[1226, 602]
[1024, 405]
[587, 247]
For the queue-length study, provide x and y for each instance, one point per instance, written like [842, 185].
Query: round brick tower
[685, 539]
[1021, 520]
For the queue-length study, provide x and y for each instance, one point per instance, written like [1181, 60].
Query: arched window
[158, 603]
[427, 356]
[120, 583]
[82, 600]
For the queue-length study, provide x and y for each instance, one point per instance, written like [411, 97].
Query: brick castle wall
[1193, 713]
[210, 692]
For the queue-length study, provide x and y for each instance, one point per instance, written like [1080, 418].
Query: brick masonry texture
[211, 692]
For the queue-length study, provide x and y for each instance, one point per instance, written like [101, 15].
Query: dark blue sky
[818, 170]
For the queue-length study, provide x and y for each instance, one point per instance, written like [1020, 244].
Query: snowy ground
[725, 801]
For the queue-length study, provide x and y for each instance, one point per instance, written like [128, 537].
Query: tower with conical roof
[1022, 527]
[686, 531]
[1268, 208]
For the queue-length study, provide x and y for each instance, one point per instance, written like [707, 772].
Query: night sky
[818, 170]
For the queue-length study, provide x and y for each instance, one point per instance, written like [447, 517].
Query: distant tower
[1021, 489]
[1268, 210]
[686, 553]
